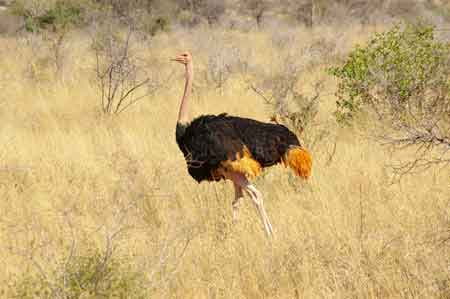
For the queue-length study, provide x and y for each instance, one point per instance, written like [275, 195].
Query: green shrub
[60, 15]
[401, 81]
[392, 72]
[85, 276]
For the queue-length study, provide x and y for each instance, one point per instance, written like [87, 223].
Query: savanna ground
[101, 206]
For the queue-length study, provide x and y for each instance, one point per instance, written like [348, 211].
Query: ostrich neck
[183, 114]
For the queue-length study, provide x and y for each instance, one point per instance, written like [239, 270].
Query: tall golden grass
[72, 179]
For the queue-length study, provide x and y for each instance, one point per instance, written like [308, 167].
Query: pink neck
[183, 116]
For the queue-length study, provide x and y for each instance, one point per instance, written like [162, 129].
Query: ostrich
[233, 148]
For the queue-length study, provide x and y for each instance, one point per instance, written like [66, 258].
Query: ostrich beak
[177, 59]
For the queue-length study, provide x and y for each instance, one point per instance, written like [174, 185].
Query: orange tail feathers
[300, 161]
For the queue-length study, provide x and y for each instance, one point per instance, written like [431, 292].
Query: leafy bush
[93, 275]
[402, 78]
[394, 68]
[62, 14]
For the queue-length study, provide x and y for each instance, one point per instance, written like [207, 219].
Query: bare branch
[261, 94]
[119, 72]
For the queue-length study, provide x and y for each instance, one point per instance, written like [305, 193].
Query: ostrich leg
[257, 198]
[241, 181]
[237, 196]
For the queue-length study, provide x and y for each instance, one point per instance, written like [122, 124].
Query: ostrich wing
[210, 142]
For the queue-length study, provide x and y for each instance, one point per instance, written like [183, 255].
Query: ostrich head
[184, 58]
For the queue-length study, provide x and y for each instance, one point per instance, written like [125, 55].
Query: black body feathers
[211, 139]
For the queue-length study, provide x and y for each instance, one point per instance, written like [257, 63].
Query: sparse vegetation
[102, 207]
[121, 78]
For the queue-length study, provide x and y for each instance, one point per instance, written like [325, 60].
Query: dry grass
[72, 179]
